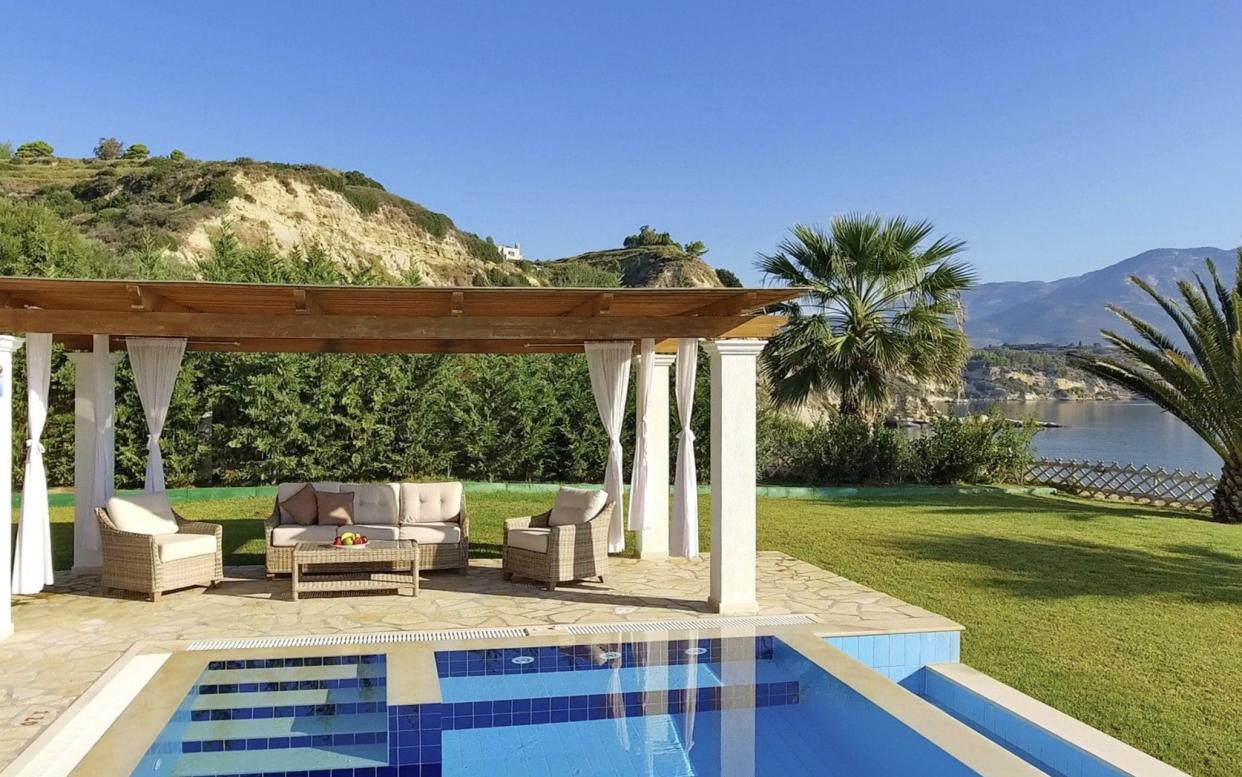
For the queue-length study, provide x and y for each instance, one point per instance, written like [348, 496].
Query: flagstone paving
[68, 636]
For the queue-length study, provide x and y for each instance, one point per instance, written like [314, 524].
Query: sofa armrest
[269, 524]
[463, 519]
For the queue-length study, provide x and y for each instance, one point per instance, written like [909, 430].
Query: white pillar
[733, 367]
[85, 559]
[8, 344]
[653, 542]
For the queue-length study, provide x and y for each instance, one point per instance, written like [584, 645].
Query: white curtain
[156, 362]
[32, 560]
[609, 365]
[684, 531]
[639, 519]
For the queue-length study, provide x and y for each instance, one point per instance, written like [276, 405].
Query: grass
[1125, 617]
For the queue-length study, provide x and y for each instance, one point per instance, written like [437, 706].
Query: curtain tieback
[153, 441]
[35, 445]
[687, 435]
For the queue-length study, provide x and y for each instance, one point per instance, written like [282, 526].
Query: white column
[8, 344]
[733, 366]
[653, 542]
[85, 559]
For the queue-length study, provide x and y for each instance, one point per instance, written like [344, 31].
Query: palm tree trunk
[848, 406]
[1227, 501]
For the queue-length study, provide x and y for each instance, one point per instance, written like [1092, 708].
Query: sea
[1124, 432]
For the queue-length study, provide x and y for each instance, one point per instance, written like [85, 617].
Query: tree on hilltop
[136, 151]
[108, 148]
[696, 249]
[35, 149]
[646, 236]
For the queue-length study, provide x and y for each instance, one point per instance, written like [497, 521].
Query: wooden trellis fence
[1146, 485]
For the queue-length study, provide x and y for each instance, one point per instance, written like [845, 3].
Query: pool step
[319, 696]
[228, 730]
[299, 759]
[283, 674]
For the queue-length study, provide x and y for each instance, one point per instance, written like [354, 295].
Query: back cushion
[430, 502]
[375, 504]
[142, 514]
[286, 490]
[576, 505]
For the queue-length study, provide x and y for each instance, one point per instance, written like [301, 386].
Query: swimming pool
[691, 706]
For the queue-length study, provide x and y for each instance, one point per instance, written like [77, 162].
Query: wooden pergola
[93, 318]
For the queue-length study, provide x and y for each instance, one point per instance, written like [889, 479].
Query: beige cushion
[302, 508]
[173, 547]
[576, 505]
[529, 539]
[335, 509]
[430, 502]
[286, 490]
[372, 532]
[288, 536]
[142, 514]
[375, 504]
[432, 533]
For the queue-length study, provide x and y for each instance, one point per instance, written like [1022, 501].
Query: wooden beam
[732, 306]
[599, 305]
[304, 302]
[345, 327]
[143, 298]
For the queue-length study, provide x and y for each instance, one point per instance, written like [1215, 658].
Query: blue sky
[1055, 137]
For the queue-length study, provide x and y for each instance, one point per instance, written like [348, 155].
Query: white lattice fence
[1149, 485]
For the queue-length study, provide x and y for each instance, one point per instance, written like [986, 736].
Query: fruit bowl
[355, 546]
[356, 541]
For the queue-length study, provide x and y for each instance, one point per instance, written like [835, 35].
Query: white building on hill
[513, 253]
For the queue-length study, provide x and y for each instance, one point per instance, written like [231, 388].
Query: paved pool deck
[69, 636]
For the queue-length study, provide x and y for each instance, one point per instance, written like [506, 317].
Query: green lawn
[1125, 617]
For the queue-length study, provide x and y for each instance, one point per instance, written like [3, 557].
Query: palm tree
[1200, 384]
[879, 306]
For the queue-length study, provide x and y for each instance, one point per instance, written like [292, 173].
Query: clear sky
[1055, 137]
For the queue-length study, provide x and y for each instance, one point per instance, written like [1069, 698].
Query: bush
[366, 200]
[6, 151]
[434, 224]
[849, 451]
[35, 149]
[108, 148]
[646, 236]
[357, 178]
[136, 151]
[176, 155]
[728, 278]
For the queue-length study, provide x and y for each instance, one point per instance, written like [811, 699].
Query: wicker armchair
[131, 562]
[575, 551]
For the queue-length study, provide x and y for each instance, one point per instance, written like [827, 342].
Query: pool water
[742, 706]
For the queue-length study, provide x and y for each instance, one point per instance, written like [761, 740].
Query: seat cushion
[142, 514]
[430, 502]
[302, 508]
[529, 539]
[174, 547]
[288, 536]
[576, 505]
[428, 533]
[335, 509]
[372, 532]
[286, 490]
[375, 504]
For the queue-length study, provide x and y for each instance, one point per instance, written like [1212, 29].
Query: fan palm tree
[880, 306]
[1202, 383]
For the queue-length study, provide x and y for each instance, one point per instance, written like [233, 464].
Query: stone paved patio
[69, 636]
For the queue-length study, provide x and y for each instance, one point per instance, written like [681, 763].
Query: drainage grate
[356, 639]
[386, 637]
[697, 623]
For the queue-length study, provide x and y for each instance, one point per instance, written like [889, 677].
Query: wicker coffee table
[381, 565]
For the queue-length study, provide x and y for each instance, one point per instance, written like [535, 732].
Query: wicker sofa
[568, 542]
[433, 514]
[146, 547]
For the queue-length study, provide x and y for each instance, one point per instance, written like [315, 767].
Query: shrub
[6, 151]
[434, 224]
[35, 149]
[646, 236]
[483, 250]
[357, 178]
[728, 278]
[974, 449]
[366, 200]
[108, 148]
[176, 155]
[136, 151]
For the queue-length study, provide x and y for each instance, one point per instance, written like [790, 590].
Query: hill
[1072, 310]
[181, 208]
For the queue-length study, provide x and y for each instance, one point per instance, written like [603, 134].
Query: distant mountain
[1072, 310]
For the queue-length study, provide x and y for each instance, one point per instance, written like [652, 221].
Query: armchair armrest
[539, 521]
[123, 543]
[199, 527]
[463, 519]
